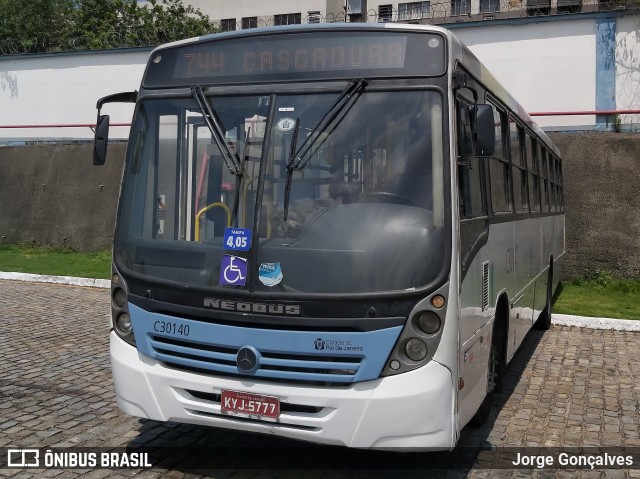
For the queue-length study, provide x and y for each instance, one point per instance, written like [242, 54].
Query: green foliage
[617, 123]
[599, 294]
[60, 25]
[597, 280]
[31, 258]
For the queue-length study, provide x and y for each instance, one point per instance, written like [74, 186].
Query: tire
[494, 384]
[544, 320]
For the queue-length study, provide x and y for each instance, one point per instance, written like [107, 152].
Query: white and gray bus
[336, 233]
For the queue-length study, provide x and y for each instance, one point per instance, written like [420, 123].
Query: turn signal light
[438, 301]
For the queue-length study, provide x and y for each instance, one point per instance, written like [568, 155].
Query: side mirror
[102, 125]
[101, 140]
[484, 129]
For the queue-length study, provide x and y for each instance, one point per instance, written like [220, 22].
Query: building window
[385, 13]
[287, 19]
[249, 22]
[413, 10]
[460, 7]
[489, 6]
[228, 24]
[313, 17]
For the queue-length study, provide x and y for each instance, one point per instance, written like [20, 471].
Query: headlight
[416, 349]
[119, 297]
[419, 340]
[120, 319]
[123, 323]
[429, 322]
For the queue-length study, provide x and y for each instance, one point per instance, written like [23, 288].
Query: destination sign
[283, 56]
[299, 56]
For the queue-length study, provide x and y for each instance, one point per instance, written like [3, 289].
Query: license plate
[238, 403]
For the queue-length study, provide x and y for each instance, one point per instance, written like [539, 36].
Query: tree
[33, 26]
[58, 25]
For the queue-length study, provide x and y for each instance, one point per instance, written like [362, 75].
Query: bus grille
[191, 356]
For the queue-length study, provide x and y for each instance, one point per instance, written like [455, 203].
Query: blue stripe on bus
[342, 357]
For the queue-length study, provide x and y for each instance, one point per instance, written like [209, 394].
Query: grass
[600, 295]
[61, 262]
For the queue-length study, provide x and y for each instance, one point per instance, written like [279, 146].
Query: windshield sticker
[233, 270]
[286, 124]
[237, 239]
[270, 274]
[286, 108]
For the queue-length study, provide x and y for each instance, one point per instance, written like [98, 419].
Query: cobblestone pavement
[566, 387]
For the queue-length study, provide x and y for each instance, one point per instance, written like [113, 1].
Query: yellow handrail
[207, 208]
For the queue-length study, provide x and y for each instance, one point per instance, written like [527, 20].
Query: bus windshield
[365, 201]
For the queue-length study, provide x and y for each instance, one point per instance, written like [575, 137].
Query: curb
[69, 280]
[557, 319]
[595, 323]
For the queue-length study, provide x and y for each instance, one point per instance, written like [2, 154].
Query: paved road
[566, 387]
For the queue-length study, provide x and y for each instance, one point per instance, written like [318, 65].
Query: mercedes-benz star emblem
[247, 358]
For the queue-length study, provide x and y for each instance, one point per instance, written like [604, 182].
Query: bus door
[474, 316]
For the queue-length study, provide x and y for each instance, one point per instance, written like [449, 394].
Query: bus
[336, 233]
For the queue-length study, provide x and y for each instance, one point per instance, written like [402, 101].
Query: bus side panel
[474, 358]
[526, 269]
[475, 320]
[558, 255]
[547, 227]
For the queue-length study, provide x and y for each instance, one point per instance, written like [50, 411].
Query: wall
[547, 66]
[601, 177]
[52, 194]
[63, 88]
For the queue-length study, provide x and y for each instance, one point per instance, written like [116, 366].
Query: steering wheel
[386, 197]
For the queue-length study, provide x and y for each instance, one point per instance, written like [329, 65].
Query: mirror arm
[124, 97]
[460, 82]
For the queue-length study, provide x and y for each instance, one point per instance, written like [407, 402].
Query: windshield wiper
[341, 106]
[290, 168]
[230, 158]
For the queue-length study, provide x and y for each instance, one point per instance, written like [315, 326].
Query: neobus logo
[246, 307]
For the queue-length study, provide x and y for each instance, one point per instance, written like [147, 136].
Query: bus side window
[556, 182]
[532, 167]
[470, 197]
[561, 187]
[499, 169]
[520, 200]
[543, 179]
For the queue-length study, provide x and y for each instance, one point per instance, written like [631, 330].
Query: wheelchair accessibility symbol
[233, 270]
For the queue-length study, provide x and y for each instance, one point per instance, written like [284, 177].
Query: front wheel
[494, 380]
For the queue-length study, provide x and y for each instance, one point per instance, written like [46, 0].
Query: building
[243, 14]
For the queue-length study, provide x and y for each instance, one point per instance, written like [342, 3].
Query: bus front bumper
[410, 411]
